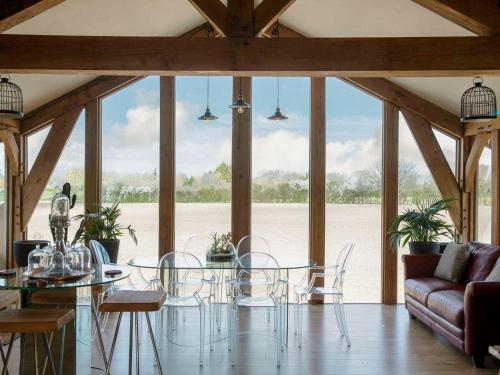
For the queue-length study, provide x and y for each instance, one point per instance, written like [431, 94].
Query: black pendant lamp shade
[478, 103]
[240, 104]
[278, 116]
[207, 116]
[11, 98]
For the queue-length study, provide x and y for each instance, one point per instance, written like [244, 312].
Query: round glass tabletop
[152, 262]
[98, 277]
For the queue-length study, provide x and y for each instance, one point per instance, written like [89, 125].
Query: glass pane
[484, 197]
[130, 161]
[415, 180]
[353, 186]
[69, 168]
[280, 168]
[203, 158]
[3, 206]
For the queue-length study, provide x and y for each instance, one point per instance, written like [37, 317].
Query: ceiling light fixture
[207, 116]
[240, 104]
[277, 116]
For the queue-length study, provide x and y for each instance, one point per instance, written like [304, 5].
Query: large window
[484, 197]
[130, 160]
[415, 180]
[69, 168]
[280, 167]
[353, 186]
[203, 158]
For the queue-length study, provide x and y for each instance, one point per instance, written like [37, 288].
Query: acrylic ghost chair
[181, 276]
[199, 245]
[307, 287]
[256, 283]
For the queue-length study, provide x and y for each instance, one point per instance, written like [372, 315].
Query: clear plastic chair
[181, 276]
[252, 243]
[256, 283]
[199, 245]
[307, 287]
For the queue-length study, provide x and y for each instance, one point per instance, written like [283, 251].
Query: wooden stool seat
[134, 301]
[63, 296]
[8, 297]
[34, 320]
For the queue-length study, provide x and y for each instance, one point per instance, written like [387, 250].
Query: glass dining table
[219, 268]
[78, 296]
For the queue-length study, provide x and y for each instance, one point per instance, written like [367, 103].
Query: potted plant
[221, 249]
[103, 227]
[422, 227]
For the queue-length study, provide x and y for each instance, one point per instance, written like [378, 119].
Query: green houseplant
[421, 227]
[103, 227]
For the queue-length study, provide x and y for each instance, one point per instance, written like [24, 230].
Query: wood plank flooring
[384, 341]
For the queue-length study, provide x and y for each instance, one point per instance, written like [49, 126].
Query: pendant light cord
[278, 89]
[208, 91]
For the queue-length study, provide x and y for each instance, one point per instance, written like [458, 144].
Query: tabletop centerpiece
[221, 248]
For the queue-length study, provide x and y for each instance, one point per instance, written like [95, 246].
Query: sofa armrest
[482, 312]
[419, 265]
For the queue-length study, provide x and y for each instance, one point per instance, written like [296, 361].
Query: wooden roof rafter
[13, 13]
[481, 17]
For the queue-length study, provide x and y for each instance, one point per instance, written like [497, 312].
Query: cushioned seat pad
[448, 304]
[420, 288]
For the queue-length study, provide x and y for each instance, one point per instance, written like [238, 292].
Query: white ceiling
[313, 18]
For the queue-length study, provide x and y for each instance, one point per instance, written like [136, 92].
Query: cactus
[66, 190]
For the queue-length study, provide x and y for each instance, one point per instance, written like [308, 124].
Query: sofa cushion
[495, 273]
[452, 263]
[420, 288]
[448, 304]
[481, 261]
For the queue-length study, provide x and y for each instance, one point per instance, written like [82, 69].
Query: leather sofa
[466, 313]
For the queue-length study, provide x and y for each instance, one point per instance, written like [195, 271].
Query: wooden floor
[384, 341]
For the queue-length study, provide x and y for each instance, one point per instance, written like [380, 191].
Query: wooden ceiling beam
[76, 98]
[482, 17]
[240, 18]
[12, 151]
[353, 57]
[14, 12]
[384, 89]
[268, 12]
[214, 11]
[480, 142]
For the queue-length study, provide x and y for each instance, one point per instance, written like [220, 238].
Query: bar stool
[133, 302]
[32, 321]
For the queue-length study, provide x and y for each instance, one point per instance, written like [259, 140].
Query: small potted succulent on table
[221, 249]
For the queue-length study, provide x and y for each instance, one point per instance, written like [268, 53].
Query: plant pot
[22, 248]
[112, 247]
[424, 248]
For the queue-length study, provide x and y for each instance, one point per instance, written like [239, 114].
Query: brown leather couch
[466, 313]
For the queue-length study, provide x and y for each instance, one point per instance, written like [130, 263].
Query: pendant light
[207, 116]
[11, 98]
[479, 103]
[277, 116]
[240, 104]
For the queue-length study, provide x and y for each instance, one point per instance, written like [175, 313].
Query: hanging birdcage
[11, 98]
[478, 103]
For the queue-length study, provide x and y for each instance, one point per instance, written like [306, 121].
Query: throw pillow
[452, 263]
[495, 273]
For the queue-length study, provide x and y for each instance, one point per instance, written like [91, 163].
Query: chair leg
[137, 344]
[202, 332]
[344, 323]
[49, 354]
[2, 352]
[131, 343]
[108, 367]
[99, 335]
[337, 316]
[5, 369]
[211, 314]
[155, 348]
[61, 356]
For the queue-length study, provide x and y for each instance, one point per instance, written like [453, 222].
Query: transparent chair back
[198, 244]
[341, 266]
[252, 243]
[180, 274]
[256, 275]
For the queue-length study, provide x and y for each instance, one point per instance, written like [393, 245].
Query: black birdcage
[11, 98]
[478, 103]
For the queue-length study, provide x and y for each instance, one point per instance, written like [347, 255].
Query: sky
[130, 120]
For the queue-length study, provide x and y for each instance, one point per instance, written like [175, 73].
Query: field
[284, 225]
